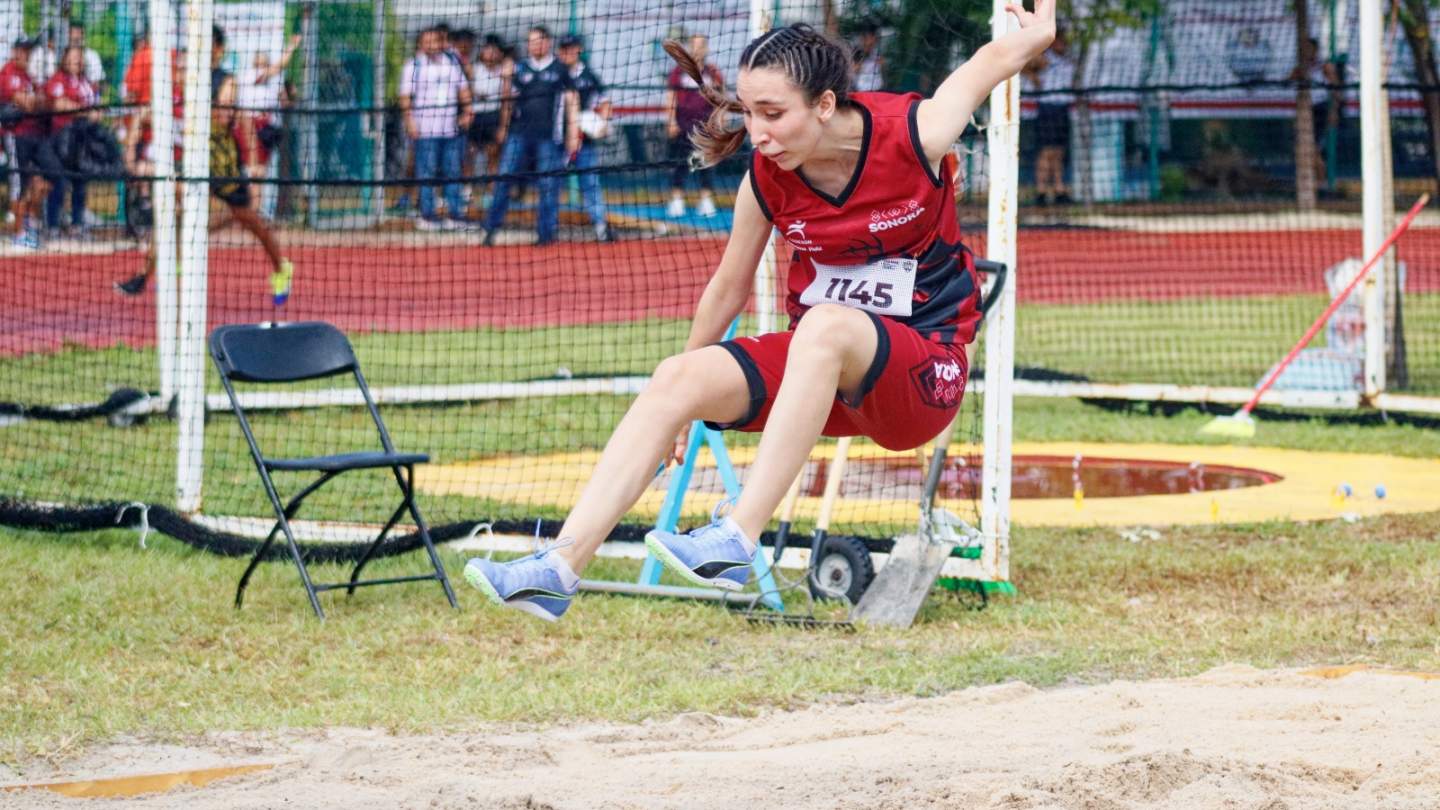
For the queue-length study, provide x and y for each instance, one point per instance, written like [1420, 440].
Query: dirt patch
[1233, 737]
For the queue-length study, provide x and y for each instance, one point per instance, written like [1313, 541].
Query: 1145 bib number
[885, 287]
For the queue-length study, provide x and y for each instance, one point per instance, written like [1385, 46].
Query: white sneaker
[424, 224]
[675, 209]
[706, 208]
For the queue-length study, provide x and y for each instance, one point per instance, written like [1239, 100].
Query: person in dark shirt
[543, 126]
[594, 112]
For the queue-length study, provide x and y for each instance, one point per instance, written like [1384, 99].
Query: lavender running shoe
[712, 555]
[530, 584]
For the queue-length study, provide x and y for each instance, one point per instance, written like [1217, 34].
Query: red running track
[51, 300]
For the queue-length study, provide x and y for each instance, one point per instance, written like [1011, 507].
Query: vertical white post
[766, 273]
[1003, 140]
[377, 98]
[194, 253]
[1376, 201]
[162, 193]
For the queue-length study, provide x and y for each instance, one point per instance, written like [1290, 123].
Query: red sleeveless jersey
[894, 207]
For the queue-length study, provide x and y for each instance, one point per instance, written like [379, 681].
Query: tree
[928, 38]
[1304, 112]
[1087, 23]
[1414, 17]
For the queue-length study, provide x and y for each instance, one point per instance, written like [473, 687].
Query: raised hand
[1044, 13]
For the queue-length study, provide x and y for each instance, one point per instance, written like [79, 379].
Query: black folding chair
[293, 352]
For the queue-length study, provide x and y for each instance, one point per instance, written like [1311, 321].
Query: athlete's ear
[825, 105]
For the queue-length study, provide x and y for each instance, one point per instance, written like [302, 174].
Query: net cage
[1166, 241]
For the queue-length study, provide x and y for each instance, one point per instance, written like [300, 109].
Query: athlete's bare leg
[703, 384]
[250, 220]
[832, 351]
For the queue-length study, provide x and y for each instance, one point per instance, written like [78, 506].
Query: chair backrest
[282, 352]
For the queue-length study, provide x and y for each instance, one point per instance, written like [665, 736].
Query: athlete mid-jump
[883, 299]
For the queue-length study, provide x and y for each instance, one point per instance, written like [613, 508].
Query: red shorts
[910, 393]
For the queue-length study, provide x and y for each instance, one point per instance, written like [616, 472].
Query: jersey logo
[795, 235]
[940, 383]
[895, 217]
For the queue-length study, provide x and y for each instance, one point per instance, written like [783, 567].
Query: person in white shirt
[868, 64]
[489, 85]
[260, 95]
[435, 100]
[94, 68]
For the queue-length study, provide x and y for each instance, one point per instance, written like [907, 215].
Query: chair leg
[288, 513]
[254, 563]
[304, 573]
[370, 552]
[407, 487]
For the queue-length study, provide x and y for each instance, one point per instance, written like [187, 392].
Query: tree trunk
[1416, 23]
[1304, 114]
[1080, 161]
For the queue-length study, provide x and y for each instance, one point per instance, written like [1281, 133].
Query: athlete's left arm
[942, 117]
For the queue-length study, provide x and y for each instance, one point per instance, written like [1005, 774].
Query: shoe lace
[543, 547]
[722, 509]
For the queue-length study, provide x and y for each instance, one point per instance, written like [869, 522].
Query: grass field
[1228, 342]
[102, 638]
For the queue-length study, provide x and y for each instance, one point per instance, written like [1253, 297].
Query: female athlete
[882, 297]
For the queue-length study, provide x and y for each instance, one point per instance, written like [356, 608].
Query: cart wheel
[844, 570]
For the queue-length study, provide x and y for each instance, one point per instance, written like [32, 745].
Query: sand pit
[1235, 737]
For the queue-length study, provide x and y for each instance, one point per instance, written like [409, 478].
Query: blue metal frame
[669, 516]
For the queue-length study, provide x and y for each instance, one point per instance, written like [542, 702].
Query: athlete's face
[782, 125]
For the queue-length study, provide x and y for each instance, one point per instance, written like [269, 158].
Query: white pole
[766, 272]
[162, 193]
[194, 253]
[1003, 140]
[1374, 184]
[377, 102]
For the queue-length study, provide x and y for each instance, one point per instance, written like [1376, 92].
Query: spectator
[135, 86]
[489, 83]
[44, 61]
[228, 185]
[69, 90]
[869, 65]
[435, 100]
[94, 66]
[539, 129]
[685, 109]
[462, 46]
[39, 167]
[260, 90]
[593, 112]
[1051, 74]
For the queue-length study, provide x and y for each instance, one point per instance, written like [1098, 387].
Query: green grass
[99, 638]
[103, 638]
[1229, 342]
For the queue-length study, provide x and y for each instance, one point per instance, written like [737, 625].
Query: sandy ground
[1234, 737]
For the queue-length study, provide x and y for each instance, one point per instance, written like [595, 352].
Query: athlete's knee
[675, 384]
[832, 327]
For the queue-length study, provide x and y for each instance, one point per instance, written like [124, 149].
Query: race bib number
[885, 287]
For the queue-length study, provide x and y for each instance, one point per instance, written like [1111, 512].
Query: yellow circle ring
[1306, 491]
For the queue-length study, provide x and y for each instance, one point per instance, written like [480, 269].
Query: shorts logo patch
[940, 383]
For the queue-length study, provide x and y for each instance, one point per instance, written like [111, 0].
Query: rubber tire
[851, 553]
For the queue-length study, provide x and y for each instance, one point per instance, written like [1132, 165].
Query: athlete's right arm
[729, 289]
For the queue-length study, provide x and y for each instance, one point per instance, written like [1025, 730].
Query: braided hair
[810, 60]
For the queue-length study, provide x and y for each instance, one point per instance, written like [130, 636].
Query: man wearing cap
[543, 126]
[39, 166]
[594, 123]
